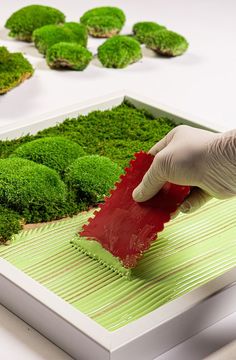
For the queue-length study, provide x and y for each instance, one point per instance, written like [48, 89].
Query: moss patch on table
[14, 69]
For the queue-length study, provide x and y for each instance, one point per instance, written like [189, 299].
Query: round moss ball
[34, 191]
[23, 22]
[79, 30]
[119, 51]
[70, 56]
[92, 177]
[49, 35]
[55, 152]
[10, 224]
[144, 28]
[103, 22]
[167, 43]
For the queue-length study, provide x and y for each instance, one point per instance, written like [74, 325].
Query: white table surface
[202, 83]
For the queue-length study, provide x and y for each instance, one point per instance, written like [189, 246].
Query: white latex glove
[190, 156]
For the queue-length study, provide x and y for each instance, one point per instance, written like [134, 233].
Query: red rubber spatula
[125, 228]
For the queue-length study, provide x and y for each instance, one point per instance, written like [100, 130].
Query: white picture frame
[76, 333]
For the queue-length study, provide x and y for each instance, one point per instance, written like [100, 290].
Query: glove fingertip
[185, 207]
[137, 194]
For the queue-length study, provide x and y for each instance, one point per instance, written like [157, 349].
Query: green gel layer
[93, 249]
[192, 250]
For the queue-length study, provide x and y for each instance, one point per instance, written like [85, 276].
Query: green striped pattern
[192, 250]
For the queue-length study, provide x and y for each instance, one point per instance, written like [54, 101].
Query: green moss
[14, 69]
[80, 32]
[116, 133]
[34, 191]
[167, 43]
[4, 54]
[121, 151]
[119, 52]
[55, 152]
[10, 224]
[103, 27]
[92, 177]
[104, 21]
[49, 35]
[23, 22]
[68, 56]
[142, 29]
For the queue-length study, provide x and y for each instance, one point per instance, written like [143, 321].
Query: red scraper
[123, 229]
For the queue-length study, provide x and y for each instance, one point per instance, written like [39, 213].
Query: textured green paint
[192, 250]
[95, 250]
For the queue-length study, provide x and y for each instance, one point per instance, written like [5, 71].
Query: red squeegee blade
[126, 228]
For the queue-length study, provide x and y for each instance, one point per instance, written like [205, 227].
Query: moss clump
[143, 29]
[116, 133]
[55, 152]
[23, 22]
[104, 27]
[119, 51]
[167, 43]
[91, 177]
[10, 224]
[34, 191]
[103, 22]
[80, 32]
[49, 35]
[68, 56]
[14, 69]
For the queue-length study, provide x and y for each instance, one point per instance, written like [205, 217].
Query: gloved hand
[190, 156]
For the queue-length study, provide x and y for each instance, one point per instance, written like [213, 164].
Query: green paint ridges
[94, 249]
[192, 250]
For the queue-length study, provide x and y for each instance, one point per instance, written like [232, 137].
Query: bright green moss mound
[115, 133]
[49, 35]
[119, 51]
[144, 28]
[10, 224]
[104, 21]
[92, 177]
[80, 32]
[14, 69]
[167, 43]
[34, 191]
[68, 56]
[23, 22]
[55, 152]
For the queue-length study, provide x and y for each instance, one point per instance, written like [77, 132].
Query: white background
[202, 83]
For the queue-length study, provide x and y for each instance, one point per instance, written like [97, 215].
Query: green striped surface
[192, 250]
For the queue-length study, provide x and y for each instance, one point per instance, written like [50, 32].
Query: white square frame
[76, 333]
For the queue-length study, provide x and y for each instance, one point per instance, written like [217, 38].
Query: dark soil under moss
[116, 133]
